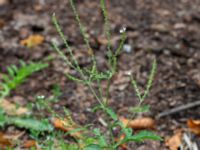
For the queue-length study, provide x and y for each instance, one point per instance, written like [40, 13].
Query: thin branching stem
[63, 56]
[58, 28]
[95, 94]
[100, 88]
[138, 93]
[93, 76]
[150, 79]
[106, 25]
[82, 30]
[114, 63]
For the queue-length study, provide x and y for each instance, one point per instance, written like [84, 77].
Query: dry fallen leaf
[12, 109]
[139, 123]
[66, 125]
[4, 142]
[2, 23]
[175, 141]
[194, 126]
[30, 143]
[32, 41]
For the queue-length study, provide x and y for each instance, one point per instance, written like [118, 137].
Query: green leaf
[56, 91]
[145, 135]
[31, 124]
[89, 140]
[4, 90]
[140, 109]
[68, 146]
[92, 147]
[111, 113]
[128, 132]
[96, 108]
[70, 77]
[101, 139]
[11, 71]
[2, 117]
[17, 76]
[139, 137]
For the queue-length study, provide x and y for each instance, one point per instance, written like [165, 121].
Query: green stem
[95, 94]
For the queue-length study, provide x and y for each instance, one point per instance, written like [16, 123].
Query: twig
[178, 109]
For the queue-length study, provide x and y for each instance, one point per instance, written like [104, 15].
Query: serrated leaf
[4, 90]
[128, 132]
[145, 135]
[139, 137]
[31, 124]
[101, 139]
[111, 113]
[89, 140]
[69, 146]
[17, 75]
[11, 72]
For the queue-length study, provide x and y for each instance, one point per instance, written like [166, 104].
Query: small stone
[179, 26]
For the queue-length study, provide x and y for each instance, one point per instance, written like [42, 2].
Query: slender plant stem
[95, 94]
[107, 91]
[100, 89]
[63, 56]
[107, 25]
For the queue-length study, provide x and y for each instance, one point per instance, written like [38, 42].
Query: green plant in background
[17, 76]
[92, 76]
[26, 122]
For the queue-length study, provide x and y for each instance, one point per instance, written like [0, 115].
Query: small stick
[178, 109]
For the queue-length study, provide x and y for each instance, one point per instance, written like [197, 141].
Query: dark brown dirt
[166, 30]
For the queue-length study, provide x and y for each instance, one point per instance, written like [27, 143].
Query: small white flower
[122, 30]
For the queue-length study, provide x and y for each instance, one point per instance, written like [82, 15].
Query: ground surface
[166, 30]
